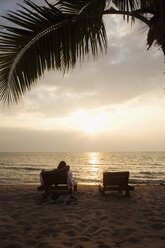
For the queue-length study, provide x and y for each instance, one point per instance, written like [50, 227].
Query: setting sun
[88, 122]
[93, 124]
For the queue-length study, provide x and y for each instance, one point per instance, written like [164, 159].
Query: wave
[146, 172]
[148, 182]
[87, 180]
[154, 164]
[21, 168]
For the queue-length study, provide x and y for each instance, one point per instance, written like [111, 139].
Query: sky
[115, 103]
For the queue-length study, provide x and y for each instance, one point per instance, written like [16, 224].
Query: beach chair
[115, 181]
[55, 180]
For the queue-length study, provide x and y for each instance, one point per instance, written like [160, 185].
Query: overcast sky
[115, 103]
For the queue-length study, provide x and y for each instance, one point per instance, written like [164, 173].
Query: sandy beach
[94, 220]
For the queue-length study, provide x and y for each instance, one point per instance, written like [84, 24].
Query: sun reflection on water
[93, 158]
[94, 169]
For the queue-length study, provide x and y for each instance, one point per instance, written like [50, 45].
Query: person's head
[61, 165]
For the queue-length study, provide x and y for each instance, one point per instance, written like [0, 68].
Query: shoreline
[79, 183]
[95, 221]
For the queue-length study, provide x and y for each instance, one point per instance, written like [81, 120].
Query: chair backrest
[57, 176]
[115, 178]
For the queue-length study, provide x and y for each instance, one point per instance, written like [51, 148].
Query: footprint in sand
[67, 243]
[102, 231]
[92, 229]
[43, 245]
[13, 245]
[71, 233]
[4, 234]
[47, 231]
[102, 218]
[83, 239]
[133, 240]
[123, 232]
[158, 226]
[129, 230]
[103, 246]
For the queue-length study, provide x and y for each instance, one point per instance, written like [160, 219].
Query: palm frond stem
[32, 42]
[128, 13]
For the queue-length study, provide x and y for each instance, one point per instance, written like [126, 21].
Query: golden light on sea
[94, 165]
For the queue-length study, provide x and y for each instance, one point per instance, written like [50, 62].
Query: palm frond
[70, 6]
[44, 38]
[127, 5]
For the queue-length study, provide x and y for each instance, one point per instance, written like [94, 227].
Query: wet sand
[97, 221]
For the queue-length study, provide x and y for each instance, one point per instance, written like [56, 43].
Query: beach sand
[97, 221]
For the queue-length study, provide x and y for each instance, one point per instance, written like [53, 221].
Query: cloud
[125, 72]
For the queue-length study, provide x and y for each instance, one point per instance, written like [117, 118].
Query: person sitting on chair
[71, 181]
[61, 165]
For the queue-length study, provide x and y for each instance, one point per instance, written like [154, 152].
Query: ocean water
[88, 167]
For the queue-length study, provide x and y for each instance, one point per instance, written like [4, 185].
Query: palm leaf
[45, 38]
[127, 5]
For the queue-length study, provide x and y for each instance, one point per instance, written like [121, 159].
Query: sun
[92, 124]
[88, 122]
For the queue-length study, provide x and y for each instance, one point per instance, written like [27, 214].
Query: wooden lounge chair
[55, 180]
[115, 181]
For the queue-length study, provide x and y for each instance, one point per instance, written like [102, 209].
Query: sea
[86, 167]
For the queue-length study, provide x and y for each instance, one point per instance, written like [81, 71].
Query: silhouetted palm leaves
[56, 36]
[45, 38]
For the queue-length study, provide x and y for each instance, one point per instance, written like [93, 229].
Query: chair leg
[47, 192]
[75, 187]
[44, 196]
[103, 192]
[70, 190]
[127, 192]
